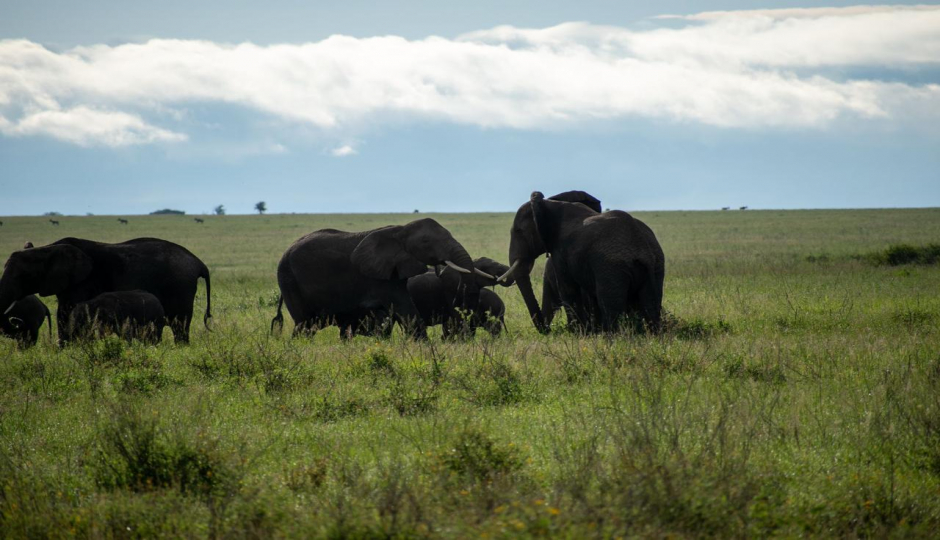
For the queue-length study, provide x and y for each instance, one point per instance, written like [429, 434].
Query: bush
[899, 254]
[134, 453]
[167, 211]
[477, 457]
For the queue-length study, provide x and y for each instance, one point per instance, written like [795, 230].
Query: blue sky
[123, 108]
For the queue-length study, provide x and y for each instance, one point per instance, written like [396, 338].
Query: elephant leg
[62, 322]
[651, 306]
[612, 306]
[305, 328]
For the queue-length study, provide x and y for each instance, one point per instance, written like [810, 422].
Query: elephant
[76, 270]
[129, 314]
[551, 299]
[435, 294]
[24, 319]
[607, 267]
[332, 277]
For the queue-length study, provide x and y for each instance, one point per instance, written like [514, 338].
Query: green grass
[795, 392]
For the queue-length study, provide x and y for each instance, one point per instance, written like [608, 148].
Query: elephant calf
[438, 298]
[128, 314]
[24, 319]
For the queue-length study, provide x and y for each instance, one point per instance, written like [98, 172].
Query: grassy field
[798, 393]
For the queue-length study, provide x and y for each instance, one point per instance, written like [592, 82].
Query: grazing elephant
[436, 294]
[77, 270]
[606, 267]
[335, 277]
[24, 319]
[129, 314]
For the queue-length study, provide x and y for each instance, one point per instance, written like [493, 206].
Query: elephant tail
[278, 319]
[204, 274]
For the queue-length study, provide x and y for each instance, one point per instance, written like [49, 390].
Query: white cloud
[749, 69]
[343, 151]
[88, 127]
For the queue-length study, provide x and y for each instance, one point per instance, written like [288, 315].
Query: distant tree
[261, 207]
[416, 211]
[167, 211]
[219, 210]
[52, 214]
[89, 214]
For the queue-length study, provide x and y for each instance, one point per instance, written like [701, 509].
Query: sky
[128, 107]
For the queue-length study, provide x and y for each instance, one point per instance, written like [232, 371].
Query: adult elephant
[76, 270]
[551, 298]
[331, 277]
[607, 267]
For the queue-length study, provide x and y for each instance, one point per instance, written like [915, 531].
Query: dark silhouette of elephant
[608, 268]
[128, 314]
[436, 295]
[551, 299]
[24, 319]
[76, 270]
[331, 277]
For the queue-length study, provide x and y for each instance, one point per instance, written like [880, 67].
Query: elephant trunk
[524, 282]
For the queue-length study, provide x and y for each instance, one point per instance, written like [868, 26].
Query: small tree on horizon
[261, 207]
[219, 210]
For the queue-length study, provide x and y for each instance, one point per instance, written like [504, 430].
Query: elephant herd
[605, 269]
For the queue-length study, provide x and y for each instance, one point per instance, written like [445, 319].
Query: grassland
[797, 393]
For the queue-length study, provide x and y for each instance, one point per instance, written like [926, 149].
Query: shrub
[134, 453]
[476, 456]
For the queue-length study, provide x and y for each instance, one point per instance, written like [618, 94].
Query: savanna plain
[795, 391]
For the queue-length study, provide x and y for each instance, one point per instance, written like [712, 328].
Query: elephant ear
[64, 266]
[582, 197]
[381, 255]
[544, 224]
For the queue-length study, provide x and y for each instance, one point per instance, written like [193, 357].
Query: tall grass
[796, 391]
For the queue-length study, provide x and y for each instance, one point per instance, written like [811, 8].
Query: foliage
[219, 210]
[167, 212]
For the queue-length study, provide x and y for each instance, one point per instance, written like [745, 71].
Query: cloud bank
[745, 69]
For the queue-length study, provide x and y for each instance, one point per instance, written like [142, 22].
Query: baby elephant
[436, 296]
[23, 320]
[129, 314]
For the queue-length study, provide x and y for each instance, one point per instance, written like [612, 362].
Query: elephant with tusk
[331, 277]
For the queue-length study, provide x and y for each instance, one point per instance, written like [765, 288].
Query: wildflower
[554, 511]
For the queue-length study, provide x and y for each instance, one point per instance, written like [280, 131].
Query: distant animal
[128, 314]
[77, 270]
[726, 208]
[199, 220]
[438, 296]
[54, 222]
[122, 221]
[334, 277]
[608, 267]
[23, 320]
[743, 208]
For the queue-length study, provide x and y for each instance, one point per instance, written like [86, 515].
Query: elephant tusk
[460, 269]
[479, 272]
[504, 277]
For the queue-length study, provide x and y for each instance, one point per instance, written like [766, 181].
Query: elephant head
[44, 271]
[527, 242]
[488, 272]
[399, 252]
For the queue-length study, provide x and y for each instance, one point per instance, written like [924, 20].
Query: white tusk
[509, 272]
[479, 272]
[460, 269]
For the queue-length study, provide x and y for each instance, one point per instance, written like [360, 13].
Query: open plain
[796, 391]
